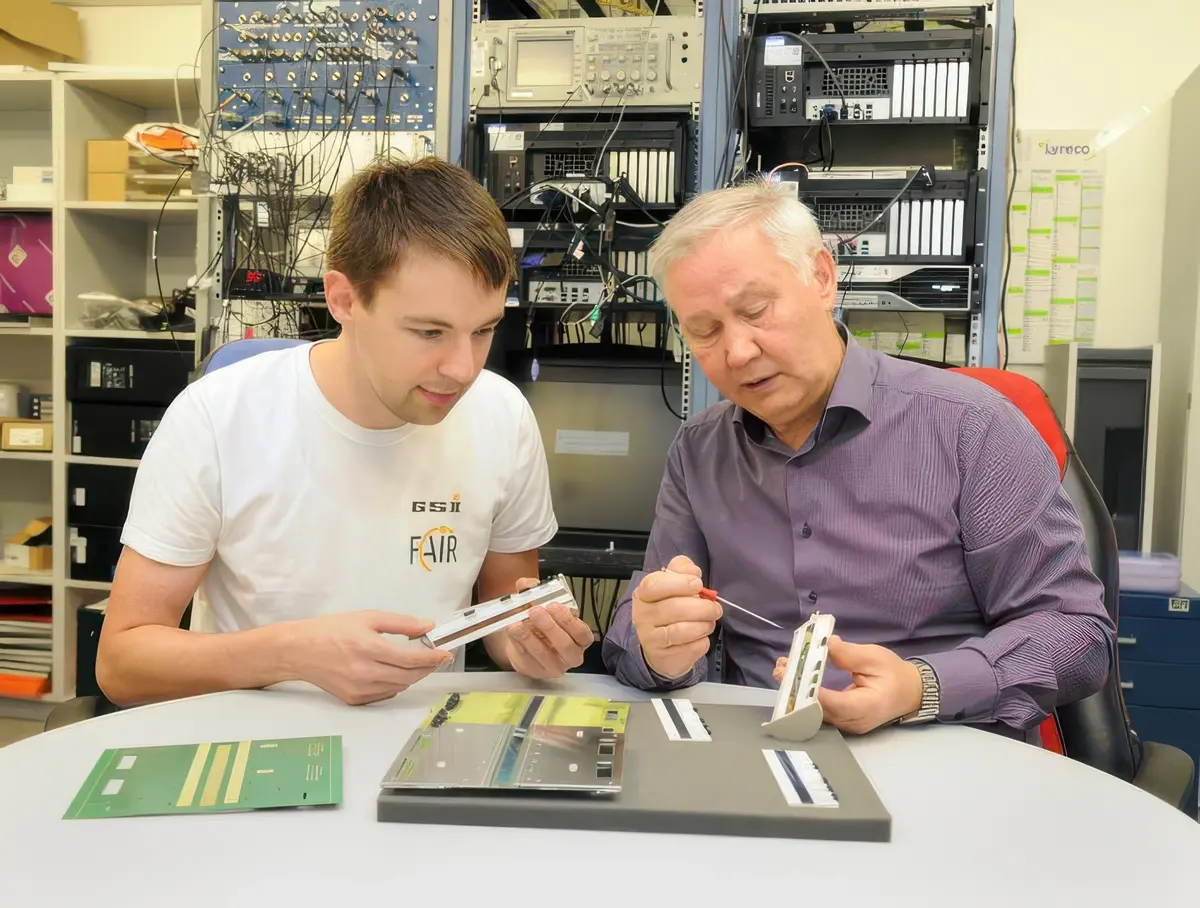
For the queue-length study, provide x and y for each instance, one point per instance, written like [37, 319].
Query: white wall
[1088, 64]
[140, 36]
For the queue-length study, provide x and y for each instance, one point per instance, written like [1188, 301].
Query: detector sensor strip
[680, 720]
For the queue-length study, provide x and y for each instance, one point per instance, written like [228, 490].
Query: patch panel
[328, 65]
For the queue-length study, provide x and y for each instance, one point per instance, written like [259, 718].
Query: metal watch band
[930, 695]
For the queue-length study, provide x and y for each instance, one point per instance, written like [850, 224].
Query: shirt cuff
[968, 689]
[638, 674]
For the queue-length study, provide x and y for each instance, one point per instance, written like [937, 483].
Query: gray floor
[15, 729]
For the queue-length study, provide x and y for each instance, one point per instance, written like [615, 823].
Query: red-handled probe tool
[712, 596]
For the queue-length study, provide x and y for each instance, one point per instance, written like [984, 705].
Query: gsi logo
[453, 506]
[1179, 605]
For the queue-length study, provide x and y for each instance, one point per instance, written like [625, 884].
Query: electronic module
[480, 620]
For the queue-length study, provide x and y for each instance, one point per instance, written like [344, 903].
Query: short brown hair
[391, 207]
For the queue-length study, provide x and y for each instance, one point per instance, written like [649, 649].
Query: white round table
[977, 820]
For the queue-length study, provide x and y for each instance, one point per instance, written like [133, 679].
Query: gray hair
[771, 207]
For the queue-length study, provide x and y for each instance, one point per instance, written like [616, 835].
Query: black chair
[1096, 730]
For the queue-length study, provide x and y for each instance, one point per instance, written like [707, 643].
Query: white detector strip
[799, 779]
[680, 721]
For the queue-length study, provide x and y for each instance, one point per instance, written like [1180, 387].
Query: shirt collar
[854, 386]
[852, 390]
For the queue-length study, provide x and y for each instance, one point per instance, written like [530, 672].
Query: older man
[917, 506]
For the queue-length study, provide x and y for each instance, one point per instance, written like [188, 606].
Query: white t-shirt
[303, 512]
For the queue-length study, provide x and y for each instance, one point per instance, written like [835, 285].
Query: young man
[331, 500]
[917, 506]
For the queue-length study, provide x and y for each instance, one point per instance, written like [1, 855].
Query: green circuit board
[212, 778]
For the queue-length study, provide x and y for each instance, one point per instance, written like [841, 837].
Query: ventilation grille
[848, 218]
[567, 164]
[936, 288]
[857, 81]
[572, 270]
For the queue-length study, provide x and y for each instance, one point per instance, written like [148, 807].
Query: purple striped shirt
[925, 514]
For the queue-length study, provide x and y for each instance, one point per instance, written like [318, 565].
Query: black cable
[614, 601]
[724, 173]
[662, 369]
[1012, 186]
[154, 256]
[924, 169]
[837, 83]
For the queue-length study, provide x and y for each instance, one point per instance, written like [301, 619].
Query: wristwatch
[931, 695]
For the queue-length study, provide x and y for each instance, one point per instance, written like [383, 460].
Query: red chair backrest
[1030, 399]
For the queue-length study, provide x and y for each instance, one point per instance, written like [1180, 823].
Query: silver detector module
[480, 620]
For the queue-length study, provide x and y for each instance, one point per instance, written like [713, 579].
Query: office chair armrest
[72, 711]
[1169, 774]
[77, 710]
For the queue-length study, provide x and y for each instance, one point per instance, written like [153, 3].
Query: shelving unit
[46, 119]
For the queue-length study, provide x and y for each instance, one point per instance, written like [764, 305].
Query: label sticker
[680, 720]
[583, 441]
[859, 301]
[777, 53]
[26, 436]
[799, 779]
[1179, 605]
[503, 140]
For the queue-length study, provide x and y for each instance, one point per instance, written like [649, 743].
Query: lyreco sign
[1084, 151]
[1058, 148]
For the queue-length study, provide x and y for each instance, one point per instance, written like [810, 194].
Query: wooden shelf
[48, 117]
[6, 205]
[154, 90]
[40, 578]
[119, 334]
[26, 455]
[87, 585]
[25, 90]
[147, 212]
[102, 461]
[127, 2]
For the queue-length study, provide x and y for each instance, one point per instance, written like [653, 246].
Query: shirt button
[812, 597]
[806, 531]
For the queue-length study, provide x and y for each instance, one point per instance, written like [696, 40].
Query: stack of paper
[25, 640]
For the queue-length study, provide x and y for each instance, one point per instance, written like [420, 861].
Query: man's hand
[548, 643]
[347, 655]
[673, 623]
[884, 687]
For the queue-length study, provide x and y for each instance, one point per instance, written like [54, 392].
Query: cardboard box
[32, 176]
[106, 187]
[118, 172]
[37, 33]
[108, 155]
[32, 184]
[30, 549]
[26, 263]
[26, 435]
